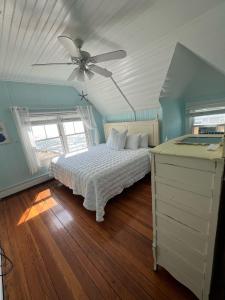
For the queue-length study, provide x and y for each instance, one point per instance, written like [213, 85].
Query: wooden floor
[60, 252]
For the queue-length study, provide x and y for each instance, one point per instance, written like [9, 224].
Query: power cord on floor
[5, 264]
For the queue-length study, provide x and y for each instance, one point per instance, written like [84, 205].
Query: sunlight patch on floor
[42, 203]
[43, 195]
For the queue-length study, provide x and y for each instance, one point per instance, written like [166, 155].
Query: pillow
[144, 141]
[133, 141]
[116, 140]
[111, 137]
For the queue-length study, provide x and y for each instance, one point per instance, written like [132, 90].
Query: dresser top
[198, 151]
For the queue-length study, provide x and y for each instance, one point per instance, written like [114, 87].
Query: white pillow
[116, 140]
[111, 137]
[133, 141]
[144, 141]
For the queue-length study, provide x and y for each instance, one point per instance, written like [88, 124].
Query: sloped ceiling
[191, 78]
[184, 66]
[147, 29]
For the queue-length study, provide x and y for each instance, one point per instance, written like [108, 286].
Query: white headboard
[149, 127]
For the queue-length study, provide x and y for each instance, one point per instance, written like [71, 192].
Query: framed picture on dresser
[3, 134]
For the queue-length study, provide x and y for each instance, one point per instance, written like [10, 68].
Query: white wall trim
[23, 185]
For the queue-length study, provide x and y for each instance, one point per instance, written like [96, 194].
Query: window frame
[47, 138]
[190, 124]
[59, 120]
[202, 108]
[64, 135]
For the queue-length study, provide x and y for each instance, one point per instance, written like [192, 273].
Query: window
[47, 137]
[209, 124]
[57, 134]
[205, 117]
[75, 135]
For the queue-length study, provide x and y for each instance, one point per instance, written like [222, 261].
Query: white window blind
[205, 108]
[210, 120]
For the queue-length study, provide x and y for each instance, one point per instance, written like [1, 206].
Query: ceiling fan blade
[51, 64]
[80, 75]
[108, 56]
[74, 74]
[100, 70]
[69, 45]
[89, 74]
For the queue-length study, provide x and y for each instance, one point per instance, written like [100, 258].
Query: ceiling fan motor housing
[79, 43]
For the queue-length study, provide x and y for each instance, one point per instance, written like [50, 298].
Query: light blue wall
[141, 115]
[13, 167]
[173, 119]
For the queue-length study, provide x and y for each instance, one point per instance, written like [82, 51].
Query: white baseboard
[23, 185]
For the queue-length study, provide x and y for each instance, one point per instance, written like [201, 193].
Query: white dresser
[186, 186]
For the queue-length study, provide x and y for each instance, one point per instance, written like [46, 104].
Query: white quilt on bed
[100, 173]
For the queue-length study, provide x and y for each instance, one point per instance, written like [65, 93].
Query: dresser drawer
[196, 181]
[187, 219]
[190, 255]
[196, 240]
[187, 162]
[188, 201]
[181, 270]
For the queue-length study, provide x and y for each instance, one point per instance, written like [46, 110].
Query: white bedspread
[100, 173]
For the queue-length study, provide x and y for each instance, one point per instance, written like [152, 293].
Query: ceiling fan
[84, 62]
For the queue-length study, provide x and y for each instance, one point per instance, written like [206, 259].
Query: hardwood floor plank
[34, 266]
[60, 252]
[132, 222]
[71, 287]
[86, 236]
[91, 280]
[15, 282]
[117, 247]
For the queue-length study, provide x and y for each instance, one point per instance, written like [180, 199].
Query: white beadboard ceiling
[147, 29]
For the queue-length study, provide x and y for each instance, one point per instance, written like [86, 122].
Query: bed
[101, 173]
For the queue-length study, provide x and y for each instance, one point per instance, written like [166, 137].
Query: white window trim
[62, 136]
[190, 122]
[60, 118]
